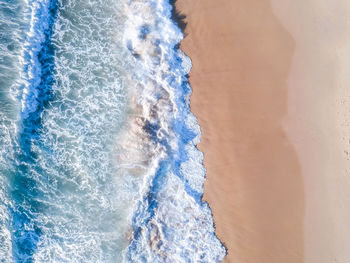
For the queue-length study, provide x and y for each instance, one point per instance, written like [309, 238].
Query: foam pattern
[98, 157]
[171, 223]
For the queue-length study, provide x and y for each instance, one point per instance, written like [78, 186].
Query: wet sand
[270, 89]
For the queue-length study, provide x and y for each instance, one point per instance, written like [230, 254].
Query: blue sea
[98, 157]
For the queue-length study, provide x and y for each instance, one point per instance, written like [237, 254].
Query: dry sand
[271, 90]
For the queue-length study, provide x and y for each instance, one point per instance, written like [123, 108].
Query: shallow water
[98, 157]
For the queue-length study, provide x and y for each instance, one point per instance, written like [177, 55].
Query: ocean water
[98, 157]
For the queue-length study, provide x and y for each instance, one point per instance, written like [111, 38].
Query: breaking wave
[98, 160]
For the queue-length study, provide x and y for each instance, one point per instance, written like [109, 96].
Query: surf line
[34, 93]
[181, 134]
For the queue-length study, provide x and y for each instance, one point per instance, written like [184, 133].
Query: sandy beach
[270, 90]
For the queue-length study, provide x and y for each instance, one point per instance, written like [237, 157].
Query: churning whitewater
[98, 157]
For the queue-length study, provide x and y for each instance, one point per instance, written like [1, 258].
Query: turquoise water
[98, 160]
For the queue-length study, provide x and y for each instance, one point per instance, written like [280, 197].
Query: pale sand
[271, 90]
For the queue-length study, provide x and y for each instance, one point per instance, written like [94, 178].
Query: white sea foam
[82, 218]
[7, 127]
[110, 157]
[27, 90]
[11, 44]
[171, 223]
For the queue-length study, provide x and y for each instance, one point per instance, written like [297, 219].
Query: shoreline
[180, 20]
[269, 91]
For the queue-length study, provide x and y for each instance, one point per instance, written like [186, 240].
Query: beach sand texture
[271, 91]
